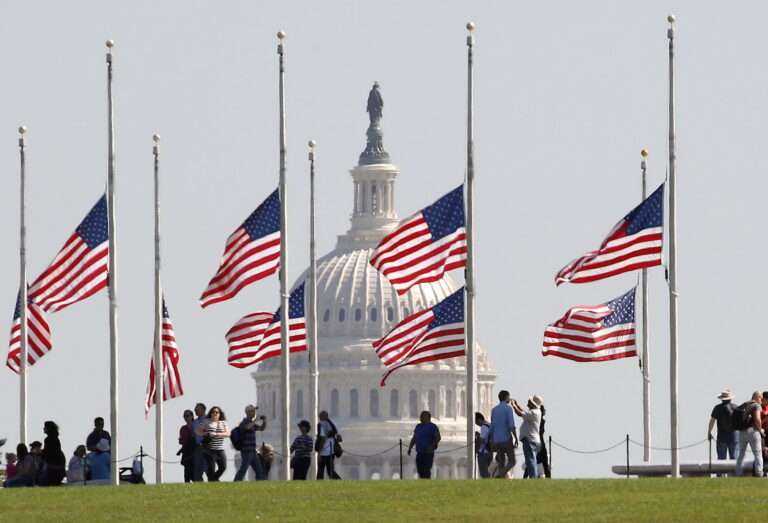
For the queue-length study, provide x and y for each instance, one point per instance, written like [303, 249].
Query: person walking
[301, 448]
[188, 443]
[748, 421]
[248, 455]
[214, 432]
[54, 460]
[503, 435]
[529, 433]
[726, 436]
[325, 446]
[426, 437]
[482, 445]
[198, 455]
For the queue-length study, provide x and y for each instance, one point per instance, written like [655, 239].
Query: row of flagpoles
[437, 239]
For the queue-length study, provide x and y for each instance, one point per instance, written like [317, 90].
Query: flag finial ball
[470, 26]
[156, 138]
[281, 35]
[110, 43]
[671, 19]
[312, 144]
[644, 152]
[22, 129]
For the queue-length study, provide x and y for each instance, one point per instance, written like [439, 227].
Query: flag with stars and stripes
[80, 269]
[39, 341]
[251, 253]
[256, 337]
[594, 332]
[634, 243]
[433, 334]
[425, 246]
[171, 376]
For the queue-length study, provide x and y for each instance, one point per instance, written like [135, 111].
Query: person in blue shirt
[99, 462]
[426, 437]
[502, 435]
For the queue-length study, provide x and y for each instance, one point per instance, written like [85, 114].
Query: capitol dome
[356, 304]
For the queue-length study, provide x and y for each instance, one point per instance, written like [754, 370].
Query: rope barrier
[450, 450]
[348, 453]
[691, 445]
[599, 451]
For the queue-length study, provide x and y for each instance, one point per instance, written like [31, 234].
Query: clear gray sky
[567, 95]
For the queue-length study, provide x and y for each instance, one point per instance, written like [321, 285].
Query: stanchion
[549, 456]
[401, 458]
[710, 455]
[627, 456]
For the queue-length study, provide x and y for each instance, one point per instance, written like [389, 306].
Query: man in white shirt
[326, 436]
[529, 432]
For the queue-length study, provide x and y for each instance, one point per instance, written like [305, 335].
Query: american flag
[171, 376]
[594, 332]
[634, 243]
[433, 334]
[38, 336]
[80, 269]
[252, 253]
[256, 337]
[426, 245]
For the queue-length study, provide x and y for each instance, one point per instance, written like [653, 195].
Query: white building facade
[356, 305]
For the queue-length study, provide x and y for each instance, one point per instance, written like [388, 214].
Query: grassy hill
[698, 500]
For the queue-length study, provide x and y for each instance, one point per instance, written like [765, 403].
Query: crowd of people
[741, 426]
[44, 464]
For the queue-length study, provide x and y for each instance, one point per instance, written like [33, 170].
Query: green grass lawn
[359, 501]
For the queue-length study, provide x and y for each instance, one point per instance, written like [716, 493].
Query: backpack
[741, 417]
[236, 437]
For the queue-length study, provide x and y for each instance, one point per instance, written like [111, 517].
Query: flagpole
[673, 356]
[158, 344]
[285, 369]
[314, 389]
[471, 379]
[23, 288]
[113, 367]
[644, 326]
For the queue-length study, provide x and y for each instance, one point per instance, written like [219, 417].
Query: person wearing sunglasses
[214, 432]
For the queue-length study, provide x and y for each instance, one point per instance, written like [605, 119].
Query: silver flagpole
[158, 350]
[23, 289]
[673, 426]
[471, 386]
[644, 326]
[113, 367]
[285, 369]
[314, 389]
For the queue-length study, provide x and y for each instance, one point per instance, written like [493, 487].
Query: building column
[363, 470]
[386, 470]
[454, 469]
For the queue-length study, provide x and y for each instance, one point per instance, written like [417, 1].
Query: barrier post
[627, 456]
[549, 456]
[710, 455]
[401, 458]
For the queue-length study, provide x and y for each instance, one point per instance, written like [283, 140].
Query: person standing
[726, 436]
[248, 455]
[214, 432]
[99, 462]
[750, 433]
[325, 445]
[503, 435]
[426, 437]
[482, 445]
[529, 433]
[53, 458]
[188, 443]
[543, 456]
[301, 448]
[97, 435]
[198, 455]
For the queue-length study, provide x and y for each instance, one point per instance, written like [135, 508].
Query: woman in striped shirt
[302, 450]
[214, 432]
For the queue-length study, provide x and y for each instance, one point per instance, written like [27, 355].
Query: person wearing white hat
[99, 462]
[722, 414]
[529, 432]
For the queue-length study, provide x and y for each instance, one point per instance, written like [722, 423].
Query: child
[10, 467]
[302, 450]
[77, 467]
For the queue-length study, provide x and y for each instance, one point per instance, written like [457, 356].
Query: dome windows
[374, 403]
[394, 403]
[374, 314]
[354, 406]
[413, 404]
[327, 315]
[358, 314]
[342, 315]
[390, 314]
